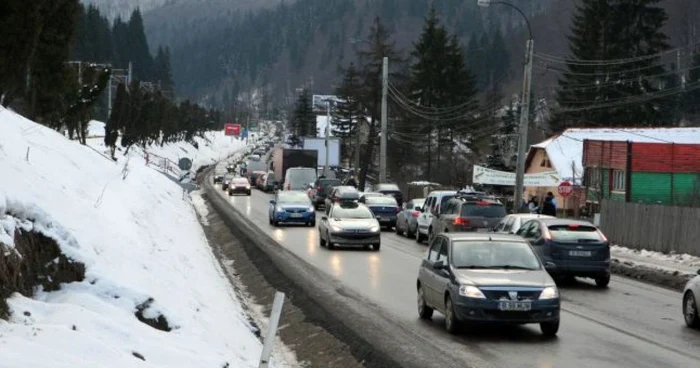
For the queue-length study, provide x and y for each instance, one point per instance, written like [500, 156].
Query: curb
[673, 280]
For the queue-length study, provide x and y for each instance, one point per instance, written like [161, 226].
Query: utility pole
[524, 122]
[382, 144]
[327, 134]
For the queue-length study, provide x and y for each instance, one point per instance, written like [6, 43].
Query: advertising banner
[483, 175]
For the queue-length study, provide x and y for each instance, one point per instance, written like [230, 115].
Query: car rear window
[352, 212]
[388, 188]
[490, 210]
[240, 181]
[387, 201]
[444, 200]
[575, 233]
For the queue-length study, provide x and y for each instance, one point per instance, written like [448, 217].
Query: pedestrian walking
[549, 207]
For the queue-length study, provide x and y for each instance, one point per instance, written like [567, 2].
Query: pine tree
[303, 123]
[347, 113]
[610, 30]
[163, 72]
[138, 48]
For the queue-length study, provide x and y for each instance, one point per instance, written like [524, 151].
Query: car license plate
[580, 253]
[514, 306]
[482, 230]
[295, 215]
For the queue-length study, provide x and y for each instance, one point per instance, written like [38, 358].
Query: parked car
[321, 189]
[511, 223]
[349, 223]
[385, 209]
[291, 207]
[407, 219]
[340, 194]
[690, 302]
[468, 214]
[473, 277]
[239, 185]
[575, 248]
[218, 178]
[432, 206]
[390, 189]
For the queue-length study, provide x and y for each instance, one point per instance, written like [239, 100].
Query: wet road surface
[630, 324]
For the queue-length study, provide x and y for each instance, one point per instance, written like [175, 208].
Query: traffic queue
[482, 265]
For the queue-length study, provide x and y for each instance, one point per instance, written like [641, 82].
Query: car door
[431, 282]
[424, 218]
[442, 276]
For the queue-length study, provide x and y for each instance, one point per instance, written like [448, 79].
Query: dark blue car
[384, 207]
[575, 248]
[477, 277]
[292, 206]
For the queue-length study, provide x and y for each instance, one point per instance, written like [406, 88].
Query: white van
[299, 178]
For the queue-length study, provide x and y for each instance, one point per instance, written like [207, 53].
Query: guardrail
[164, 164]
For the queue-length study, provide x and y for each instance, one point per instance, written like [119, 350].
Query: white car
[511, 223]
[433, 205]
[690, 302]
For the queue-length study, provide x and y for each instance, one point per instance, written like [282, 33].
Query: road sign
[232, 129]
[565, 189]
[184, 163]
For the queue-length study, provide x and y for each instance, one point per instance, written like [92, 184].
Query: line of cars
[485, 266]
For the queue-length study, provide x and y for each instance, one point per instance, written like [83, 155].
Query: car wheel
[549, 329]
[248, 194]
[424, 311]
[602, 281]
[275, 223]
[321, 241]
[451, 321]
[690, 310]
[312, 224]
[430, 235]
[409, 233]
[329, 244]
[376, 247]
[269, 220]
[398, 229]
[419, 236]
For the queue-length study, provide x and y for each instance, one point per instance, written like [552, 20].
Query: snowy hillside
[139, 240]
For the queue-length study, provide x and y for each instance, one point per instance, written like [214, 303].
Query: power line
[586, 62]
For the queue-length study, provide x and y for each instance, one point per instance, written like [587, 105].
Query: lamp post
[525, 105]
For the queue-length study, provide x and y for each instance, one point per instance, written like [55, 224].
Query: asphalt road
[630, 324]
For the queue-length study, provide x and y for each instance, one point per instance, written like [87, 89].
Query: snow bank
[138, 239]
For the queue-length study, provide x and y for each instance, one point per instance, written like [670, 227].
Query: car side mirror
[551, 265]
[324, 218]
[272, 201]
[439, 265]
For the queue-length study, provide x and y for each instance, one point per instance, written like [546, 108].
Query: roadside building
[563, 153]
[642, 172]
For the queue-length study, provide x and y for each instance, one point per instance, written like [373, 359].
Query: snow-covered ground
[683, 263]
[139, 239]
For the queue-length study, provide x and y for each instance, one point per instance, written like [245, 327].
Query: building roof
[567, 147]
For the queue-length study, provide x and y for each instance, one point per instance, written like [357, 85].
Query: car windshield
[575, 233]
[352, 212]
[386, 201]
[488, 210]
[301, 178]
[293, 197]
[494, 255]
[241, 181]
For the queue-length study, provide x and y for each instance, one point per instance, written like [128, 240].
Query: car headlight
[549, 293]
[336, 228]
[374, 228]
[279, 209]
[311, 209]
[247, 186]
[471, 292]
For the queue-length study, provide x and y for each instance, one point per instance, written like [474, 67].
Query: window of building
[545, 163]
[594, 177]
[619, 180]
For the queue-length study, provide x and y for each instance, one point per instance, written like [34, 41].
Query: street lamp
[525, 104]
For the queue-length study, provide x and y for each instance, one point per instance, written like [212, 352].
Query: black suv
[322, 187]
[466, 213]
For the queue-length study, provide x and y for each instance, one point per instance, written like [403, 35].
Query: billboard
[319, 145]
[483, 175]
[232, 129]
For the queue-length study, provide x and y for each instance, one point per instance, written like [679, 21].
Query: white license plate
[296, 215]
[514, 306]
[580, 253]
[482, 230]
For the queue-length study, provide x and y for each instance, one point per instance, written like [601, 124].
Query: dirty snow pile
[683, 263]
[139, 240]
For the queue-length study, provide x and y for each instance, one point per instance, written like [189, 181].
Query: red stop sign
[565, 189]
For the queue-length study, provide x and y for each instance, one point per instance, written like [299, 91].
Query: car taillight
[318, 188]
[461, 221]
[602, 236]
[415, 214]
[547, 235]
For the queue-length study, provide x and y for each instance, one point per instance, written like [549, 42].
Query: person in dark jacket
[549, 207]
[352, 182]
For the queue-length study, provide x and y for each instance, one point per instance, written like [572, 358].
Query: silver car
[349, 223]
[690, 302]
[511, 223]
[407, 219]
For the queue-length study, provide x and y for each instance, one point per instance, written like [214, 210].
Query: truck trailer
[285, 158]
